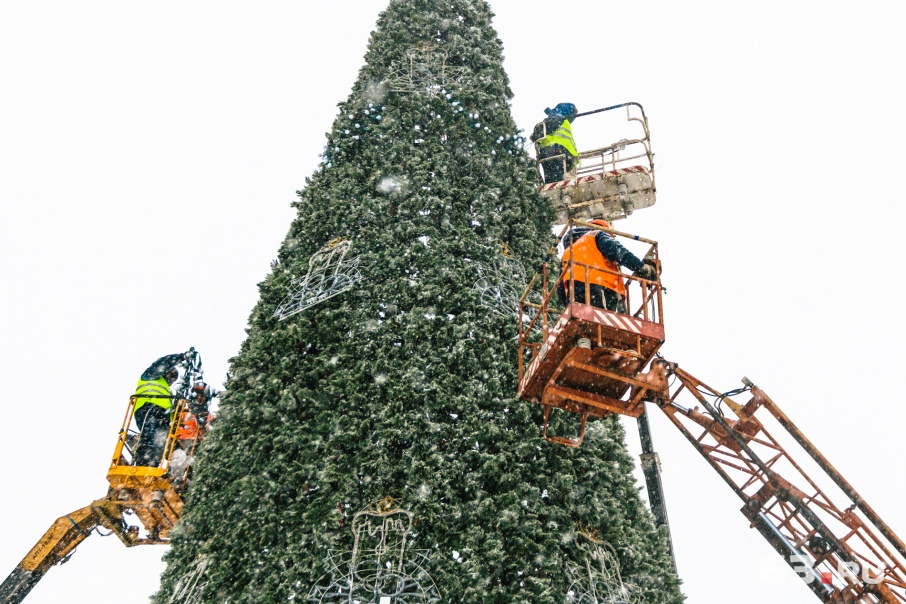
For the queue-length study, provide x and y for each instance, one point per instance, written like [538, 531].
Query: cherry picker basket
[610, 181]
[154, 493]
[581, 358]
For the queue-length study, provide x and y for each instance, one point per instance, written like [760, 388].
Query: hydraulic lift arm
[54, 547]
[651, 468]
[150, 496]
[791, 493]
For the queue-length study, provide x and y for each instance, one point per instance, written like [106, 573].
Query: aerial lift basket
[584, 359]
[608, 182]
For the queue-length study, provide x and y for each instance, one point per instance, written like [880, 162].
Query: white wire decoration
[379, 569]
[424, 70]
[331, 271]
[501, 283]
[188, 589]
[597, 580]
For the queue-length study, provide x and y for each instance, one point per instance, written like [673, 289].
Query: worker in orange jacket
[596, 260]
[196, 420]
[189, 434]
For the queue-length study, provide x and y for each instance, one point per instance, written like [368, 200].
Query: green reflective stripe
[153, 394]
[562, 136]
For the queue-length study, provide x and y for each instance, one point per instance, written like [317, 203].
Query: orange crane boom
[594, 362]
[791, 493]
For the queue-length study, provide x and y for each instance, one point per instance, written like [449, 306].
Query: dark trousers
[601, 297]
[153, 424]
[553, 168]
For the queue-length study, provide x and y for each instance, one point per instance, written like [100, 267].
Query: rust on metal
[609, 375]
[829, 532]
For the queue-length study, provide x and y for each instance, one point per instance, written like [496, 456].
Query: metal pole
[651, 468]
[578, 115]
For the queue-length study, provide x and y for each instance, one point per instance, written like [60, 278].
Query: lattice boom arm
[794, 497]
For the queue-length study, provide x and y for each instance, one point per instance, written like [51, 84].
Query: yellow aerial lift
[142, 503]
[593, 362]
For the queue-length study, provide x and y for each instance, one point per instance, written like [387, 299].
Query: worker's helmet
[601, 223]
[565, 110]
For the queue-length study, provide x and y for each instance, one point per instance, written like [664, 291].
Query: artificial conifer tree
[403, 386]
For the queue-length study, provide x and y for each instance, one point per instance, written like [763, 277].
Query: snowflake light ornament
[330, 272]
[424, 71]
[379, 569]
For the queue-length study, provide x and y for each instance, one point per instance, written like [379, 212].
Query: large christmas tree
[370, 448]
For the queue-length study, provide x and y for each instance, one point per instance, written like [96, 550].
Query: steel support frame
[840, 547]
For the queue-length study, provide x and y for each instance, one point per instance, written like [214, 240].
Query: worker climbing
[554, 143]
[591, 262]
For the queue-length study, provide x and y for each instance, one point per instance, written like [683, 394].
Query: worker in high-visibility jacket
[153, 409]
[554, 142]
[592, 259]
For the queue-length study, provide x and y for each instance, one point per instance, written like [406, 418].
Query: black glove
[647, 272]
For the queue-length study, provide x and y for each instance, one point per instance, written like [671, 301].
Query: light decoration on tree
[597, 579]
[501, 283]
[331, 271]
[190, 586]
[380, 569]
[424, 70]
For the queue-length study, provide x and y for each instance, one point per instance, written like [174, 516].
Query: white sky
[149, 153]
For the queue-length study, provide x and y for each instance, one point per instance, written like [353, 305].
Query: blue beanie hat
[563, 110]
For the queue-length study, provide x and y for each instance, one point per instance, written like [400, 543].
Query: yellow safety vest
[562, 136]
[153, 387]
